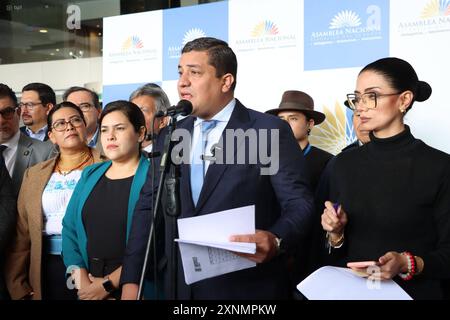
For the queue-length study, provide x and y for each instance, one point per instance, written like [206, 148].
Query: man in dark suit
[18, 150]
[283, 203]
[7, 220]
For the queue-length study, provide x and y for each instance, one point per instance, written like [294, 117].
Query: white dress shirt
[10, 153]
[214, 135]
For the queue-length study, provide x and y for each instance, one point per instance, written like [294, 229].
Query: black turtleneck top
[396, 192]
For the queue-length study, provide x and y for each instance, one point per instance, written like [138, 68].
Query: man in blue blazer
[283, 202]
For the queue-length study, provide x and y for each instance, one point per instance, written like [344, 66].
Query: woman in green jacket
[99, 215]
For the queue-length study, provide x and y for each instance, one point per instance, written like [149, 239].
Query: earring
[402, 110]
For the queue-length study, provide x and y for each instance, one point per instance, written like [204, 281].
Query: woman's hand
[390, 265]
[94, 291]
[333, 221]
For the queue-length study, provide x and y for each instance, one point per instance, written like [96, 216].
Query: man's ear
[227, 80]
[49, 107]
[163, 122]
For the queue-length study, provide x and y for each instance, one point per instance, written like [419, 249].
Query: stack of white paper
[205, 246]
[333, 283]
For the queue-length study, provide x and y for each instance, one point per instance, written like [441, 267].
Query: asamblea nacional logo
[345, 19]
[436, 8]
[132, 49]
[133, 42]
[174, 52]
[266, 34]
[263, 28]
[181, 25]
[345, 33]
[434, 17]
[346, 26]
[336, 132]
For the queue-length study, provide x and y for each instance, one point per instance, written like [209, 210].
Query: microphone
[184, 108]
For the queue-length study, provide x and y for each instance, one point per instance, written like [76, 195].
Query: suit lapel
[39, 183]
[185, 168]
[23, 157]
[239, 119]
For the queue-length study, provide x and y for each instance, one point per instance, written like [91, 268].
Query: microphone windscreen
[186, 107]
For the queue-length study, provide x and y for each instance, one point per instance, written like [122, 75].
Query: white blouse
[55, 198]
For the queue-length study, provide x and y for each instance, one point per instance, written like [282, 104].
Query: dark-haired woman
[390, 199]
[98, 218]
[34, 267]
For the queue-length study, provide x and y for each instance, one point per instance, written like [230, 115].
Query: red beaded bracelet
[411, 267]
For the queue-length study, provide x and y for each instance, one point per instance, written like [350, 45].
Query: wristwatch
[107, 285]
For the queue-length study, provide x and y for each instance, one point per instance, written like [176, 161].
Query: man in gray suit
[18, 151]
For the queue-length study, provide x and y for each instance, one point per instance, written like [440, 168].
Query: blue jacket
[283, 206]
[74, 239]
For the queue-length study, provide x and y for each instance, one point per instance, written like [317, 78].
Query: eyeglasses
[368, 100]
[85, 107]
[61, 125]
[29, 105]
[8, 112]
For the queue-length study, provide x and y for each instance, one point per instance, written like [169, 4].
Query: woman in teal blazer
[98, 218]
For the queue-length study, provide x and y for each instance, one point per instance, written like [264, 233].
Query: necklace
[84, 161]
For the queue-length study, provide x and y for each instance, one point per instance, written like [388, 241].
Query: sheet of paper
[334, 283]
[244, 247]
[205, 246]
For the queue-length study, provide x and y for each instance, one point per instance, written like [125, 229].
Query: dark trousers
[54, 286]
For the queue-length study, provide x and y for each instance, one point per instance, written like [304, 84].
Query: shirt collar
[223, 116]
[42, 130]
[93, 141]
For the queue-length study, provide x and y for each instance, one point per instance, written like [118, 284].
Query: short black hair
[64, 104]
[129, 109]
[401, 76]
[45, 92]
[221, 56]
[7, 92]
[94, 95]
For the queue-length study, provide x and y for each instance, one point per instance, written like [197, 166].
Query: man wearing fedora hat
[297, 108]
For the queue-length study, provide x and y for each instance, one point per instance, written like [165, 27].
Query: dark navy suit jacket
[283, 204]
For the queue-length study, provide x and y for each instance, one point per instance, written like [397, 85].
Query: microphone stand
[166, 167]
